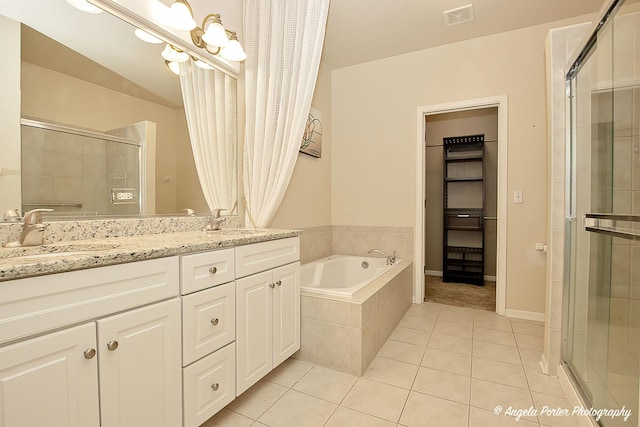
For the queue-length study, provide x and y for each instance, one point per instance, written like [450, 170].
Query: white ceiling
[357, 30]
[365, 30]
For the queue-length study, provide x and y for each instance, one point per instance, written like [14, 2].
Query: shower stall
[601, 316]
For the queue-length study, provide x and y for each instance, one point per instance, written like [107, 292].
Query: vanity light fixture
[146, 37]
[173, 66]
[202, 64]
[84, 6]
[211, 36]
[173, 54]
[180, 16]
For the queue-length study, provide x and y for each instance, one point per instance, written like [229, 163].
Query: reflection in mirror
[75, 81]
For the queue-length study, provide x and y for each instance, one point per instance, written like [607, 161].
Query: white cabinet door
[50, 380]
[254, 329]
[140, 367]
[209, 385]
[286, 312]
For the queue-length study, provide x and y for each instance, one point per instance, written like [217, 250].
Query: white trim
[501, 268]
[525, 315]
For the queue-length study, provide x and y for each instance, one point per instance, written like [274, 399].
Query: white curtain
[283, 41]
[210, 104]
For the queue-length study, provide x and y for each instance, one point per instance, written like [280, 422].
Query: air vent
[459, 15]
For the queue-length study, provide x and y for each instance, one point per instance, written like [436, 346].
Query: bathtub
[342, 275]
[349, 306]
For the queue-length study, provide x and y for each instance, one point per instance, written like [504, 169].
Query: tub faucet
[390, 259]
[32, 229]
[215, 221]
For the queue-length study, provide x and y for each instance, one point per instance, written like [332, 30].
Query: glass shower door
[601, 333]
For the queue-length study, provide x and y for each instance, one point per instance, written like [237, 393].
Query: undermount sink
[229, 231]
[53, 250]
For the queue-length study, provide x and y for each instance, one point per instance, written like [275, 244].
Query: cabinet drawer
[263, 256]
[464, 219]
[209, 385]
[202, 271]
[38, 304]
[208, 321]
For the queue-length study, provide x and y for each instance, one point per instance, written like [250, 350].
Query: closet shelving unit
[463, 232]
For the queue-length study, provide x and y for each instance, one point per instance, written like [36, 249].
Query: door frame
[419, 250]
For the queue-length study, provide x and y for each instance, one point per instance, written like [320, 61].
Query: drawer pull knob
[214, 321]
[213, 270]
[279, 283]
[272, 285]
[215, 386]
[112, 345]
[89, 353]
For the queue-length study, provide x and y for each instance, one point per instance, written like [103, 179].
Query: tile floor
[442, 366]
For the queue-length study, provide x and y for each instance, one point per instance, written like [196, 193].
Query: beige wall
[10, 115]
[438, 126]
[307, 202]
[374, 138]
[57, 97]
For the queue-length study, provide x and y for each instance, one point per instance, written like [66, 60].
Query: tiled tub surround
[315, 243]
[97, 252]
[346, 334]
[320, 242]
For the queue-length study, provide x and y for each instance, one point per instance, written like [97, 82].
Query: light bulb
[179, 17]
[215, 35]
[173, 66]
[233, 51]
[146, 37]
[172, 55]
[202, 64]
[84, 6]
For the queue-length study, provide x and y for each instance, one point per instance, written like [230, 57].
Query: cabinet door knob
[112, 345]
[272, 285]
[213, 270]
[215, 386]
[214, 321]
[279, 283]
[89, 353]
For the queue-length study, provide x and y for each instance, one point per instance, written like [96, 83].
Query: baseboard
[525, 315]
[439, 274]
[573, 397]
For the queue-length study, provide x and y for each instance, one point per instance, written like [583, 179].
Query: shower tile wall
[63, 168]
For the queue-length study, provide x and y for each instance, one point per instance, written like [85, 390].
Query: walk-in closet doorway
[485, 118]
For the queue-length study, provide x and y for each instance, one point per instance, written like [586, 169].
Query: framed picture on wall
[312, 136]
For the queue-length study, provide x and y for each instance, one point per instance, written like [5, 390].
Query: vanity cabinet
[208, 334]
[162, 342]
[139, 366]
[267, 308]
[51, 380]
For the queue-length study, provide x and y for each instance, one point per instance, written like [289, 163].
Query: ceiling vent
[459, 15]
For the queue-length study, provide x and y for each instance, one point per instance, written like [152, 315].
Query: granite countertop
[21, 262]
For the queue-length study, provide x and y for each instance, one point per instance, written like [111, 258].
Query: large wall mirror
[102, 123]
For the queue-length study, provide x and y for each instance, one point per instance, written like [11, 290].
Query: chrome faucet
[215, 221]
[32, 229]
[390, 259]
